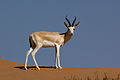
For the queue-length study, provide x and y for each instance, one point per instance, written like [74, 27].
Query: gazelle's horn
[74, 21]
[68, 21]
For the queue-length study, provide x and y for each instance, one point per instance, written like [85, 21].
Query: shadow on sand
[34, 67]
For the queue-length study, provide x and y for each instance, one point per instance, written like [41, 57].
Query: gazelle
[50, 39]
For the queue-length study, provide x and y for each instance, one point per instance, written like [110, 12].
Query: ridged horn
[74, 21]
[68, 21]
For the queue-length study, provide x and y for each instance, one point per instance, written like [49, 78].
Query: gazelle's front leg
[58, 55]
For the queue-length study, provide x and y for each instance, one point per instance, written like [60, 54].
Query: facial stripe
[71, 29]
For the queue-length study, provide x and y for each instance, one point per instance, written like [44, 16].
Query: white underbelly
[48, 44]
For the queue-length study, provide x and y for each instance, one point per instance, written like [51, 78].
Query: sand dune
[10, 70]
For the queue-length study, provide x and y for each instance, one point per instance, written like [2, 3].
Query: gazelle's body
[49, 39]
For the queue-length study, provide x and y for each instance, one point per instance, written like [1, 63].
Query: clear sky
[96, 42]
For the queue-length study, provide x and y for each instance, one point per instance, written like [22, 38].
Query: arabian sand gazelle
[50, 39]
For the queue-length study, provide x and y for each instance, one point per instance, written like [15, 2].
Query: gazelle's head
[71, 27]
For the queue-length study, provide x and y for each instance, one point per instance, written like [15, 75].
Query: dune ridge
[10, 70]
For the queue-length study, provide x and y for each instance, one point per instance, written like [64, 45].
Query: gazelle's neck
[67, 36]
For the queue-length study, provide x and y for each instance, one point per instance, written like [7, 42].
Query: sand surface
[10, 70]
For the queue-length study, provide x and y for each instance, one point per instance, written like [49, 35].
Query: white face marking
[48, 43]
[71, 29]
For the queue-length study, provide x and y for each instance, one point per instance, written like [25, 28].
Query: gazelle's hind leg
[33, 54]
[28, 53]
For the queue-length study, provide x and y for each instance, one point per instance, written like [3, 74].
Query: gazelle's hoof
[60, 67]
[56, 67]
[25, 68]
[38, 68]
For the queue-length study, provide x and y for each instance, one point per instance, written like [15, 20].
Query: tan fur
[55, 37]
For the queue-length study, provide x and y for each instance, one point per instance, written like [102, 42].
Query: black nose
[71, 33]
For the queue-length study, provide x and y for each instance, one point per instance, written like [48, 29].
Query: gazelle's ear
[77, 24]
[65, 24]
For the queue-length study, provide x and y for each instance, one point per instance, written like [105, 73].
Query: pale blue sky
[96, 42]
